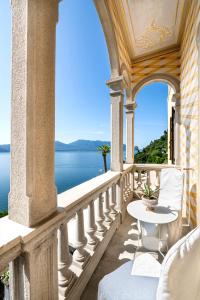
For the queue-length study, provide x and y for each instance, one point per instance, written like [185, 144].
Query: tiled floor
[121, 249]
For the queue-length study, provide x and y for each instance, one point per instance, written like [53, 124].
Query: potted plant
[5, 280]
[150, 197]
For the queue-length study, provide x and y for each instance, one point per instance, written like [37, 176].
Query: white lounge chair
[179, 277]
[170, 195]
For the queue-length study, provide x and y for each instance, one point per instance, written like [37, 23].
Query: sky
[82, 68]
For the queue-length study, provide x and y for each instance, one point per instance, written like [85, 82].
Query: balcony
[95, 235]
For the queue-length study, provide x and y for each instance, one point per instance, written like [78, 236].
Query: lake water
[71, 169]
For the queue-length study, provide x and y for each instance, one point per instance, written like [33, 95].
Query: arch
[126, 75]
[172, 81]
[109, 33]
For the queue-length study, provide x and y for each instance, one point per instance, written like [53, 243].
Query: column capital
[130, 107]
[176, 99]
[116, 85]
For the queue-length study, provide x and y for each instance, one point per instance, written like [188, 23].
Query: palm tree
[105, 149]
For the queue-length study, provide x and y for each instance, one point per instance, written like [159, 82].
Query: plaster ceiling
[152, 25]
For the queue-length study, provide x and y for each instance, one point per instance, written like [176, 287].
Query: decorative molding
[154, 35]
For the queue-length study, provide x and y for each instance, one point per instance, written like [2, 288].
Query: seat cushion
[121, 285]
[180, 270]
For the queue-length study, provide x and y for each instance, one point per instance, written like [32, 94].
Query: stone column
[130, 107]
[32, 195]
[176, 99]
[116, 94]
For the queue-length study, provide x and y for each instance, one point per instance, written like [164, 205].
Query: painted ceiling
[152, 25]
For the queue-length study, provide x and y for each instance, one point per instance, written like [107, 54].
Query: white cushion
[121, 285]
[146, 265]
[171, 188]
[180, 271]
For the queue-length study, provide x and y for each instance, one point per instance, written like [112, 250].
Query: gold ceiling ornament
[153, 36]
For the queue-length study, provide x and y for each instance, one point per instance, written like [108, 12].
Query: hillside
[79, 145]
[155, 152]
[4, 148]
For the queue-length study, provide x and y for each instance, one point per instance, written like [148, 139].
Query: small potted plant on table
[150, 197]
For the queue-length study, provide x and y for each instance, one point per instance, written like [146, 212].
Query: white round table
[161, 215]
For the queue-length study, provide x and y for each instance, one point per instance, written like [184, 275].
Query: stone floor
[120, 250]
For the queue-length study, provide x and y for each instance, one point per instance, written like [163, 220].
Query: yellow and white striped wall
[168, 63]
[189, 108]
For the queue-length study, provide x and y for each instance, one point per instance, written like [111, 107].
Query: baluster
[113, 201]
[108, 219]
[65, 276]
[148, 179]
[139, 181]
[91, 228]
[80, 255]
[133, 181]
[124, 184]
[124, 188]
[101, 229]
[129, 182]
[157, 179]
[120, 195]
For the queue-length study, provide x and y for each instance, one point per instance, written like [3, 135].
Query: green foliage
[149, 193]
[5, 277]
[104, 149]
[155, 152]
[3, 213]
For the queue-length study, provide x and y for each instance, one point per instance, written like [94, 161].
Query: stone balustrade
[148, 174]
[86, 219]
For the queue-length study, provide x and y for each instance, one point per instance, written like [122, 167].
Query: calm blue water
[71, 169]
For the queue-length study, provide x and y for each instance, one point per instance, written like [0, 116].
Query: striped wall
[189, 107]
[168, 63]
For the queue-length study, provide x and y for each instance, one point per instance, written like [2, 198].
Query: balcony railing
[86, 219]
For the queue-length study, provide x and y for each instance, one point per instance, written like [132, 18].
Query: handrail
[154, 166]
[79, 196]
[14, 237]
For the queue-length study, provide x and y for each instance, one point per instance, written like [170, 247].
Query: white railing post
[113, 201]
[108, 219]
[148, 178]
[139, 180]
[80, 255]
[101, 229]
[157, 179]
[65, 276]
[91, 227]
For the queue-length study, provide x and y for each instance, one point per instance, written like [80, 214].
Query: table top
[161, 214]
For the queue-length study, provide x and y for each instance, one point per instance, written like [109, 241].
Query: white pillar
[116, 94]
[32, 195]
[130, 107]
[176, 99]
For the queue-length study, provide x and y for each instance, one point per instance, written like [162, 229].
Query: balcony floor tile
[120, 249]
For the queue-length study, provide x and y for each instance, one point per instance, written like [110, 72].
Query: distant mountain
[79, 145]
[5, 148]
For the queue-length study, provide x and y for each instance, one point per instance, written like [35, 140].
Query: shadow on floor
[120, 250]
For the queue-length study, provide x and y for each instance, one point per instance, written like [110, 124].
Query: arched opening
[5, 103]
[82, 98]
[157, 120]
